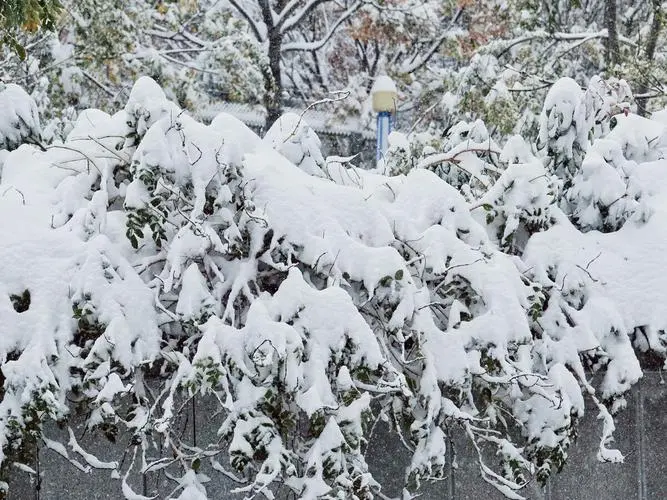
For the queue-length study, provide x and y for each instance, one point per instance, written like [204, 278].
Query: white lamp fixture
[384, 95]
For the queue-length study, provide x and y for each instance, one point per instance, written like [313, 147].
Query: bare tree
[276, 23]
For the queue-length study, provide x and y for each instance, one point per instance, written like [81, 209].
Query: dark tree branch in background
[248, 17]
[287, 23]
[272, 81]
[656, 27]
[417, 63]
[577, 38]
[316, 45]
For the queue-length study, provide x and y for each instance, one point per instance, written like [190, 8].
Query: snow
[195, 295]
[350, 238]
[383, 84]
[479, 280]
[295, 140]
[20, 118]
[563, 120]
[147, 104]
[321, 121]
[622, 265]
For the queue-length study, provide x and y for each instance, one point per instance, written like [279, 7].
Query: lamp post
[384, 96]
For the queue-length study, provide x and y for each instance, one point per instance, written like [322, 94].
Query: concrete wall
[641, 435]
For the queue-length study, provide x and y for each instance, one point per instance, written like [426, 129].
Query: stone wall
[641, 436]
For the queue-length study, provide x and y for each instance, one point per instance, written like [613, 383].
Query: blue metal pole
[384, 125]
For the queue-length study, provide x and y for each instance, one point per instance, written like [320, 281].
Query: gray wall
[641, 435]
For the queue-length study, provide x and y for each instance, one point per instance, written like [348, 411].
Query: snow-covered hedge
[149, 258]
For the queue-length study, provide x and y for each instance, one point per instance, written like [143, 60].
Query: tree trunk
[273, 85]
[612, 55]
[649, 54]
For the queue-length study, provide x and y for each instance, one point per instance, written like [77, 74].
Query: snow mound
[19, 118]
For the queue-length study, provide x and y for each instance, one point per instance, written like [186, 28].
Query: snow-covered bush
[149, 258]
[523, 201]
[20, 119]
[594, 145]
[565, 125]
[291, 136]
[606, 192]
[406, 151]
[465, 156]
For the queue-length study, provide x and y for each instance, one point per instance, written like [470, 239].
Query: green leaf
[16, 46]
[399, 275]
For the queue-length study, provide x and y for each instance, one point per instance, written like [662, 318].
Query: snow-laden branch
[339, 95]
[454, 157]
[652, 95]
[184, 36]
[418, 62]
[562, 37]
[291, 6]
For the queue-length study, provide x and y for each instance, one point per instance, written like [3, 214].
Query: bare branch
[340, 95]
[447, 33]
[253, 25]
[98, 83]
[561, 37]
[287, 23]
[310, 46]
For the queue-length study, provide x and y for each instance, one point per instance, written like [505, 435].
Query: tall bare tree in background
[275, 23]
